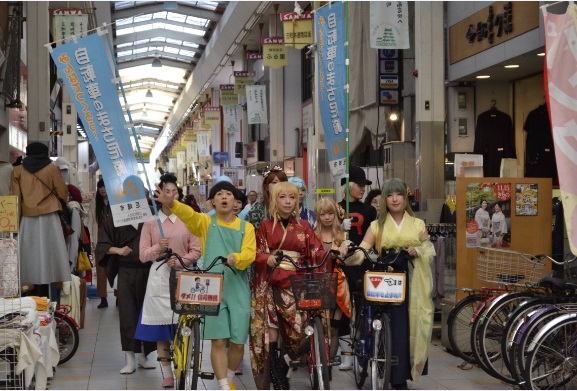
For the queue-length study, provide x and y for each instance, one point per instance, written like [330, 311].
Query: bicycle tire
[475, 337]
[491, 333]
[191, 367]
[382, 352]
[320, 352]
[551, 364]
[459, 326]
[358, 341]
[66, 336]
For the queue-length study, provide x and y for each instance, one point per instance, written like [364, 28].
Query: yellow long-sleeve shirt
[198, 224]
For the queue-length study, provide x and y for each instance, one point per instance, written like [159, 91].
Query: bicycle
[66, 333]
[314, 293]
[371, 331]
[186, 348]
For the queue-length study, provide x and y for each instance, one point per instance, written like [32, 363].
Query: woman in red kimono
[273, 307]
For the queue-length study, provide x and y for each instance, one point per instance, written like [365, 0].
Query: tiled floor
[99, 358]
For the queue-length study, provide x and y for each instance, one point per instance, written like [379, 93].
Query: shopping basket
[188, 309]
[508, 267]
[314, 291]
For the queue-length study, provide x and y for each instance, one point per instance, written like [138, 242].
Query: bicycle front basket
[189, 308]
[314, 291]
[506, 267]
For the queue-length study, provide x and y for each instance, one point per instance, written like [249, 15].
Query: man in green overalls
[223, 234]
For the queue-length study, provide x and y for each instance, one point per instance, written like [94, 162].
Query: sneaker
[168, 382]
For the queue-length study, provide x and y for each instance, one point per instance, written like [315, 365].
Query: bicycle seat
[558, 284]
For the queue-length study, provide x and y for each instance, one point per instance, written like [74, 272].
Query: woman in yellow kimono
[395, 228]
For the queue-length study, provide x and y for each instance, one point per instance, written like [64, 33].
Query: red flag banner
[561, 80]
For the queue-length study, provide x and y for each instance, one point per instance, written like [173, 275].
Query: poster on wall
[488, 215]
[526, 199]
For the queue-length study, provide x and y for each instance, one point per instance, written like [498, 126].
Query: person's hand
[171, 263]
[346, 224]
[412, 251]
[344, 248]
[164, 243]
[271, 261]
[164, 198]
[124, 251]
[231, 260]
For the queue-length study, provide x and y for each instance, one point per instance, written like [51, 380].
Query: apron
[233, 319]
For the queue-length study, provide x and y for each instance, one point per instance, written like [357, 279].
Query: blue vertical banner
[330, 33]
[85, 67]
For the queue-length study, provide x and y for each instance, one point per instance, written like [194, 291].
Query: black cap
[221, 186]
[357, 175]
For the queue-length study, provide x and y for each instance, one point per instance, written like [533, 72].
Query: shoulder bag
[64, 214]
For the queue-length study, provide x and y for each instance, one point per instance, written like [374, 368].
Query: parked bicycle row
[523, 332]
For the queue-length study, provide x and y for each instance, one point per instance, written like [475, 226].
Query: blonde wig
[327, 205]
[283, 187]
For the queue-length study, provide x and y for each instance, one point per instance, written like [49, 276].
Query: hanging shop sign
[256, 105]
[390, 76]
[275, 53]
[488, 212]
[88, 76]
[69, 23]
[203, 124]
[180, 159]
[389, 25]
[254, 55]
[298, 28]
[212, 115]
[493, 25]
[231, 118]
[241, 80]
[329, 26]
[172, 164]
[227, 95]
[203, 140]
[192, 152]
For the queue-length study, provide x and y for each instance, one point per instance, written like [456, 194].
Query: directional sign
[220, 157]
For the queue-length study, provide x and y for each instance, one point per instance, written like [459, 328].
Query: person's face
[237, 206]
[271, 184]
[497, 208]
[327, 218]
[376, 203]
[484, 205]
[395, 202]
[356, 191]
[301, 195]
[223, 201]
[252, 196]
[102, 192]
[170, 189]
[286, 204]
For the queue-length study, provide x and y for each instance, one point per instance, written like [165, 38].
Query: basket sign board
[197, 288]
[385, 287]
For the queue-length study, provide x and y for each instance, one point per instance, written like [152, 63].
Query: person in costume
[260, 209]
[305, 212]
[222, 234]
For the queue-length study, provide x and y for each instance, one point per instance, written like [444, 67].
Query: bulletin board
[529, 233]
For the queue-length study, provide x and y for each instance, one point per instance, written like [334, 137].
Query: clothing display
[494, 139]
[539, 148]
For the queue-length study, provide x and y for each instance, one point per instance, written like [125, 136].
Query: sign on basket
[197, 288]
[385, 287]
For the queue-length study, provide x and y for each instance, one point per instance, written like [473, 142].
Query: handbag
[83, 263]
[64, 214]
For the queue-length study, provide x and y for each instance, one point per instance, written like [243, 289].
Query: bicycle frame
[64, 310]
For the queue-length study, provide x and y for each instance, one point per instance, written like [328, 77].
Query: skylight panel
[142, 18]
[190, 44]
[141, 50]
[174, 41]
[194, 31]
[124, 53]
[145, 27]
[124, 31]
[171, 50]
[141, 41]
[197, 21]
[125, 21]
[187, 53]
[160, 15]
[176, 17]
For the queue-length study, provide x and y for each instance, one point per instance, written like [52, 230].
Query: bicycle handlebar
[169, 254]
[541, 256]
[353, 248]
[280, 256]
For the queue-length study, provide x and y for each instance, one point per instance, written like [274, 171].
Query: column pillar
[276, 106]
[430, 100]
[38, 66]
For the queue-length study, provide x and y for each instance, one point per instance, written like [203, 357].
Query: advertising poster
[488, 215]
[526, 197]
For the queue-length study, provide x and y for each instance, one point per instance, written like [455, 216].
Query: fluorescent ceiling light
[483, 77]
[512, 66]
[541, 54]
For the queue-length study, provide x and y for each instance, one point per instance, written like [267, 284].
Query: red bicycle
[66, 332]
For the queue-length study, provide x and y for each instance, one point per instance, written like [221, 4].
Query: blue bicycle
[371, 325]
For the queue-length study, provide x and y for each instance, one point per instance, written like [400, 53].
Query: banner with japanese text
[67, 23]
[192, 152]
[203, 143]
[85, 68]
[231, 118]
[227, 95]
[389, 25]
[330, 31]
[180, 159]
[275, 53]
[172, 165]
[298, 28]
[560, 81]
[241, 80]
[212, 115]
[256, 107]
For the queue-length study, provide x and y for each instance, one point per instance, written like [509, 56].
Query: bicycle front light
[185, 331]
[377, 325]
[309, 331]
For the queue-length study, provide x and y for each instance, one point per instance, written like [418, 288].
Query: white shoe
[129, 367]
[145, 363]
[346, 361]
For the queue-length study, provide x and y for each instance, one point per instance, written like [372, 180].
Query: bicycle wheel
[321, 354]
[459, 326]
[491, 333]
[358, 334]
[191, 367]
[381, 363]
[552, 364]
[66, 336]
